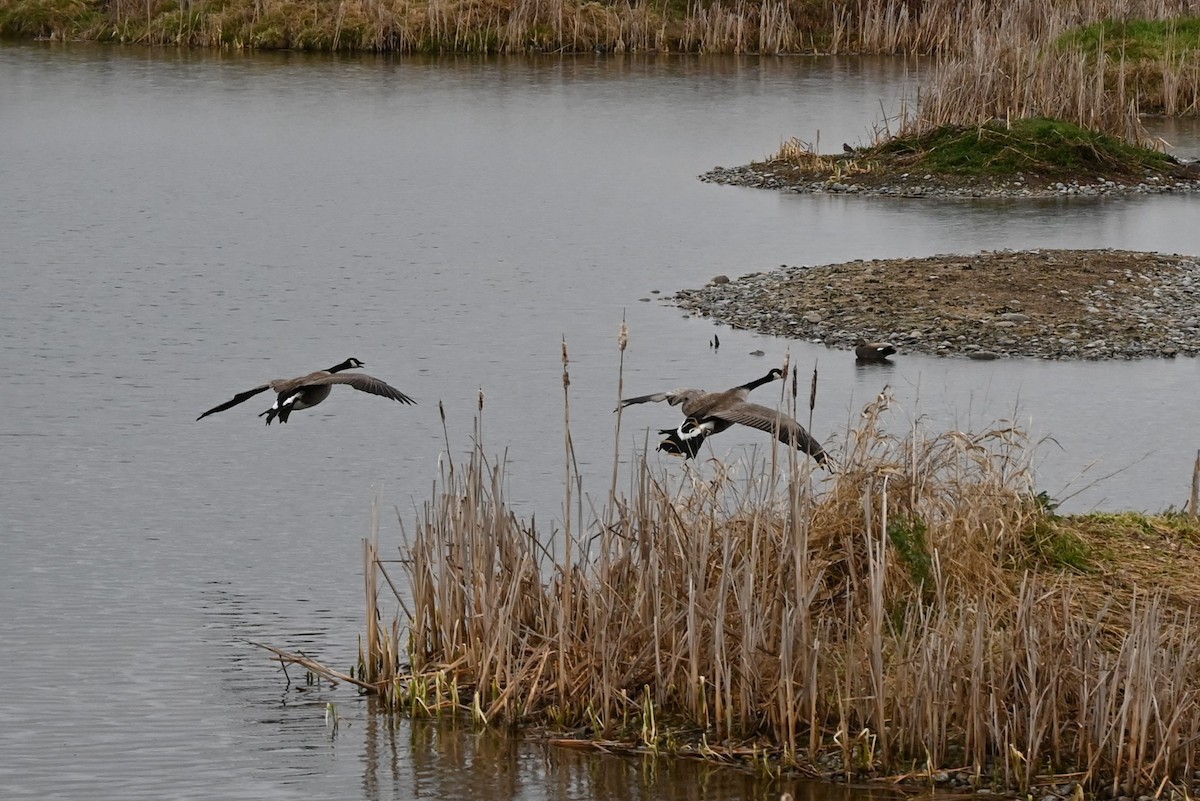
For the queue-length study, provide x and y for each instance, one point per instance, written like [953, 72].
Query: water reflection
[444, 759]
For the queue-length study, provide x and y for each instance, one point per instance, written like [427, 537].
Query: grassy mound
[1050, 148]
[1037, 151]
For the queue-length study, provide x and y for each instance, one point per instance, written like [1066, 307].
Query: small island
[1046, 304]
[1018, 158]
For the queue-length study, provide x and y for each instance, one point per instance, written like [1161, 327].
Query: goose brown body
[307, 391]
[873, 351]
[708, 413]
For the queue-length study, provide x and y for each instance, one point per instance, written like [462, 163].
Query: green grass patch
[1136, 40]
[63, 18]
[1036, 145]
[1170, 526]
[909, 536]
[1053, 542]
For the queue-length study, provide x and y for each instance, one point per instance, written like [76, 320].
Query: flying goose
[309, 390]
[708, 413]
[873, 351]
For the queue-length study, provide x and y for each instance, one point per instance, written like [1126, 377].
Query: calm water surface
[178, 227]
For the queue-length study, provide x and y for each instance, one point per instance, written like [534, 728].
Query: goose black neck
[758, 382]
[346, 365]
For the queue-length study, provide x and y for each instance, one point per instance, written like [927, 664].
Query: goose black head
[350, 364]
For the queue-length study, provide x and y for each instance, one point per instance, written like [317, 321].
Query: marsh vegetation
[936, 27]
[924, 613]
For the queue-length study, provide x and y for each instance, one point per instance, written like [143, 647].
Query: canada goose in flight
[708, 413]
[873, 351]
[309, 390]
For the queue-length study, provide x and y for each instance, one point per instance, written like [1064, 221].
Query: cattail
[565, 361]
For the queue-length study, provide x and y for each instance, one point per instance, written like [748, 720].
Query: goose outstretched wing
[360, 381]
[239, 398]
[673, 397]
[773, 422]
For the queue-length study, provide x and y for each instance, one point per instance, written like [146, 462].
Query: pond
[181, 226]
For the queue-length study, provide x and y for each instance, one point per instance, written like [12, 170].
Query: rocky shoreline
[1044, 304]
[780, 176]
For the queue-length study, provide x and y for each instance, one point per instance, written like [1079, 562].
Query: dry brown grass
[1003, 61]
[903, 615]
[946, 27]
[1002, 80]
[951, 27]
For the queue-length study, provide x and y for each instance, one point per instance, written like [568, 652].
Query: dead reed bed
[948, 27]
[1002, 79]
[945, 27]
[1016, 60]
[903, 616]
[1003, 83]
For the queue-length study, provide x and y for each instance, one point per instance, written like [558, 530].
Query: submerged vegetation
[923, 613]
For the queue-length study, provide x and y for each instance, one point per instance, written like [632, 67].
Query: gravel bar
[1043, 304]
